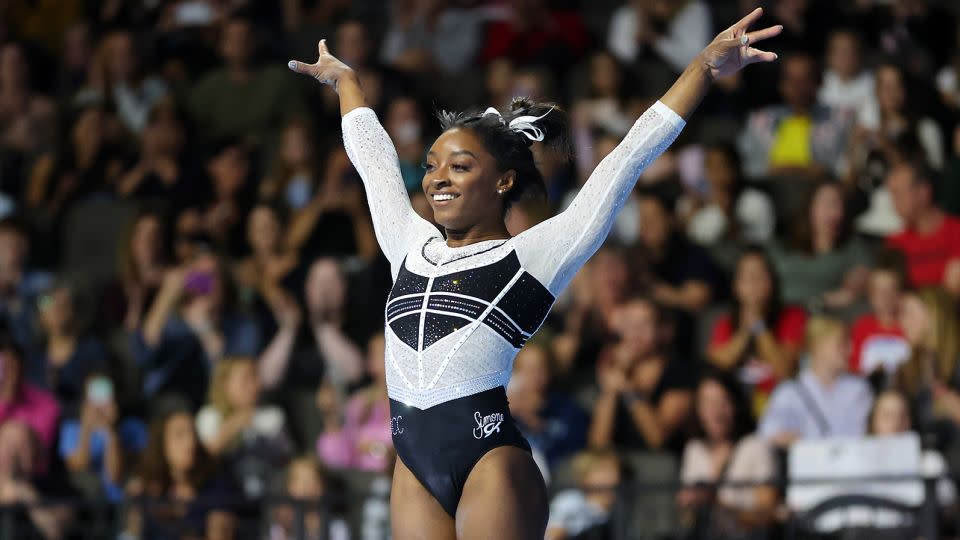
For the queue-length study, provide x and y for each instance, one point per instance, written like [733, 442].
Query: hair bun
[553, 122]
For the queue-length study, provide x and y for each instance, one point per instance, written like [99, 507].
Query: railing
[100, 519]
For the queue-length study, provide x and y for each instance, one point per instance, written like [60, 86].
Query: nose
[439, 179]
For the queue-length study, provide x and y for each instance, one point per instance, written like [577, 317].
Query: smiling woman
[464, 303]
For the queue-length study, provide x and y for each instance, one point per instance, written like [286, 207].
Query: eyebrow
[457, 153]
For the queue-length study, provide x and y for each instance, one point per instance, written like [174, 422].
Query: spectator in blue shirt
[100, 441]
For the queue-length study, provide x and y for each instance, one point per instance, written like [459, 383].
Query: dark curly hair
[512, 149]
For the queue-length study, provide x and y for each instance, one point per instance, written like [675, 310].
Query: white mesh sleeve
[555, 249]
[397, 226]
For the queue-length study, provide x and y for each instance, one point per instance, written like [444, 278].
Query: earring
[500, 191]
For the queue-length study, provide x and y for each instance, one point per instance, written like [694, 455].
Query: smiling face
[461, 182]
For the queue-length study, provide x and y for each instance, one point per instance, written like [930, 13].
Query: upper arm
[396, 225]
[555, 249]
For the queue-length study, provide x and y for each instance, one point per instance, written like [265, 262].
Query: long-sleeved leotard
[456, 317]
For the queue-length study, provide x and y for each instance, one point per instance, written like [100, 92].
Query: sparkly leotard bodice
[456, 317]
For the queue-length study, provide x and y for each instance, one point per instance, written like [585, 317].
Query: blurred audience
[930, 377]
[760, 339]
[798, 138]
[645, 391]
[823, 264]
[251, 439]
[584, 511]
[823, 400]
[930, 238]
[723, 449]
[357, 436]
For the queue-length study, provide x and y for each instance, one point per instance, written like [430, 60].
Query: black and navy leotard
[456, 317]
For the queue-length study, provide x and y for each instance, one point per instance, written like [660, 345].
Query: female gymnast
[463, 303]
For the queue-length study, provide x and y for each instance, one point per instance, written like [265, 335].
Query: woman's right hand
[327, 69]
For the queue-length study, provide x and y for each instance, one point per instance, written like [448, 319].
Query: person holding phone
[100, 441]
[190, 326]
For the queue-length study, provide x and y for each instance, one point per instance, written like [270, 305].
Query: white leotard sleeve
[553, 250]
[397, 226]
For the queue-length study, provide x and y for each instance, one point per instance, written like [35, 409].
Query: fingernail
[292, 65]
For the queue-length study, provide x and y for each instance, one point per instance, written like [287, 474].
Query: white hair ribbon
[522, 124]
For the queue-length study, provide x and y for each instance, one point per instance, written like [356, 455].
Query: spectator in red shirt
[878, 342]
[533, 33]
[931, 238]
[760, 338]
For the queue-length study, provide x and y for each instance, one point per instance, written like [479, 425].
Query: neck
[886, 319]
[928, 221]
[477, 234]
[61, 337]
[823, 241]
[823, 373]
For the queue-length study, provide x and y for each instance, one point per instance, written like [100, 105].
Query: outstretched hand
[328, 69]
[732, 49]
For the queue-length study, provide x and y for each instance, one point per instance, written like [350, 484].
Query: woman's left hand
[732, 49]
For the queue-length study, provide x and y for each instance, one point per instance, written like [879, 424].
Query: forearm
[80, 458]
[645, 419]
[341, 353]
[727, 355]
[157, 317]
[780, 358]
[351, 94]
[276, 357]
[113, 458]
[601, 429]
[689, 89]
[50, 520]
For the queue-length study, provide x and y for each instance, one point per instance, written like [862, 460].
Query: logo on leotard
[395, 428]
[486, 425]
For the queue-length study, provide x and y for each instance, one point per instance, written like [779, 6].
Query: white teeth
[444, 196]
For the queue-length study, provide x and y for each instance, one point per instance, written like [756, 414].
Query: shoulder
[951, 223]
[208, 416]
[752, 447]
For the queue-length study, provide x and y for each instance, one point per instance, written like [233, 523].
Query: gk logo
[395, 428]
[486, 425]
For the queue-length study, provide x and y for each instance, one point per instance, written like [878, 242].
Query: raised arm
[555, 249]
[396, 224]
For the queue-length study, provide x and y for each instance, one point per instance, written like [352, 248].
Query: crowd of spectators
[191, 293]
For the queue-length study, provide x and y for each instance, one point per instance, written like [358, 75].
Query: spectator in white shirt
[824, 400]
[846, 85]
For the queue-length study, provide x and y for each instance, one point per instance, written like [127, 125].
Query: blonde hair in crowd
[587, 460]
[217, 397]
[820, 327]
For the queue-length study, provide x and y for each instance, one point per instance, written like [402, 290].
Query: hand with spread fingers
[328, 69]
[732, 49]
